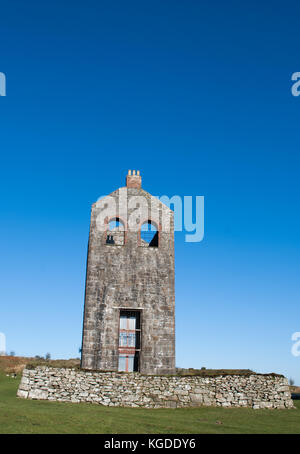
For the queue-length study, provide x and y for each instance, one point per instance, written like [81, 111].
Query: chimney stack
[134, 179]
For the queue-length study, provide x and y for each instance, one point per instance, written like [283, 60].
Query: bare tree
[47, 356]
[291, 382]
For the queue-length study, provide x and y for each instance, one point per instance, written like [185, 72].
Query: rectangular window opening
[115, 237]
[129, 341]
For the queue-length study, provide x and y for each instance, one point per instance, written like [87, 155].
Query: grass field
[31, 416]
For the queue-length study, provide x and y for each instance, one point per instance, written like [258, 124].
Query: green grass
[31, 416]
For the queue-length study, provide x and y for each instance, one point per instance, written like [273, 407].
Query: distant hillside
[16, 364]
[295, 389]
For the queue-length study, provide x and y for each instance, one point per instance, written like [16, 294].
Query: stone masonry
[137, 390]
[126, 274]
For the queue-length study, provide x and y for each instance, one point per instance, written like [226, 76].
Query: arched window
[115, 233]
[149, 234]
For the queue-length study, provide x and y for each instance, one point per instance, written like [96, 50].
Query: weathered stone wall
[136, 390]
[130, 277]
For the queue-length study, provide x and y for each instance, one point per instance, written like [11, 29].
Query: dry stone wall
[154, 391]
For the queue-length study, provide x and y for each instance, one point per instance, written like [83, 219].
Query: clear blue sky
[197, 96]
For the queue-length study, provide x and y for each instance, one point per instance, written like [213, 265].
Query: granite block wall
[150, 391]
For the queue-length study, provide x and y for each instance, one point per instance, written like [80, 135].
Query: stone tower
[129, 312]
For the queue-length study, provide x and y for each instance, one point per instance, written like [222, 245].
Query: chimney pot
[134, 179]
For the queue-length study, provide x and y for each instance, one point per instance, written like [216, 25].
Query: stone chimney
[134, 180]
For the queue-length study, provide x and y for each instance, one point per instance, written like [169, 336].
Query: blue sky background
[197, 95]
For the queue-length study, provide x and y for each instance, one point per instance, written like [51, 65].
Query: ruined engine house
[129, 311]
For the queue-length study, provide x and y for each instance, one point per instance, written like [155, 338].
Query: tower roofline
[133, 184]
[133, 192]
